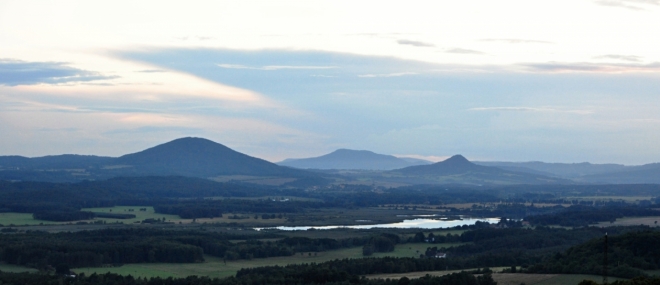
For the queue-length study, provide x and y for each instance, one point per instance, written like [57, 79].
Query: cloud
[151, 71]
[431, 158]
[632, 58]
[273, 67]
[627, 4]
[463, 51]
[414, 43]
[396, 74]
[154, 129]
[199, 38]
[17, 72]
[592, 67]
[516, 41]
[531, 109]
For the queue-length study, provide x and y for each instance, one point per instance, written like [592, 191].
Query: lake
[422, 223]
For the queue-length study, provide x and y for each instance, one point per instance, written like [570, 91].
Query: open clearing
[424, 273]
[25, 219]
[20, 219]
[151, 214]
[15, 268]
[509, 278]
[633, 221]
[627, 199]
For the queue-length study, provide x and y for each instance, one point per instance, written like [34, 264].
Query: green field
[216, 267]
[23, 219]
[14, 268]
[633, 221]
[628, 199]
[509, 278]
[568, 279]
[139, 215]
[20, 219]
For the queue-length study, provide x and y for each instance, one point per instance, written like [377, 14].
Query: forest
[541, 229]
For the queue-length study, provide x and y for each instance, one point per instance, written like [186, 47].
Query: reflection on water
[414, 223]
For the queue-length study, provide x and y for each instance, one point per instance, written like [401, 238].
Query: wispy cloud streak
[628, 4]
[17, 72]
[592, 67]
[632, 58]
[396, 74]
[273, 67]
[463, 51]
[516, 41]
[415, 43]
[531, 109]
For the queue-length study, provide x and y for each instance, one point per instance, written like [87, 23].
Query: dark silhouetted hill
[195, 157]
[352, 159]
[457, 169]
[54, 161]
[642, 174]
[564, 170]
[201, 158]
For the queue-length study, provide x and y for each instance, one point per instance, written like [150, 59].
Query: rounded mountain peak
[457, 159]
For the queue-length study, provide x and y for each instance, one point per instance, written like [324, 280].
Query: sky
[554, 81]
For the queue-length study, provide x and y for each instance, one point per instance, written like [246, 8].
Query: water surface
[422, 223]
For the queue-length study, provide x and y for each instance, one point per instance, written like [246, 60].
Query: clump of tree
[63, 215]
[381, 243]
[628, 255]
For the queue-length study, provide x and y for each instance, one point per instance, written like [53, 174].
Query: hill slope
[351, 159]
[194, 157]
[457, 169]
[643, 174]
[53, 161]
[564, 170]
[201, 158]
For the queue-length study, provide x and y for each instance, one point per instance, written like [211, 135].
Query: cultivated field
[14, 268]
[653, 221]
[509, 278]
[216, 267]
[20, 219]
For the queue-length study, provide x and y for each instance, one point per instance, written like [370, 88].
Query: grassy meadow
[15, 269]
[216, 267]
[653, 221]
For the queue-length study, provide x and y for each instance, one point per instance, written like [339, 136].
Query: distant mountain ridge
[352, 159]
[587, 172]
[194, 157]
[457, 169]
[198, 157]
[564, 170]
[54, 161]
[202, 158]
[642, 174]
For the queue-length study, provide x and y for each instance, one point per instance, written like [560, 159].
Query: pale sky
[555, 81]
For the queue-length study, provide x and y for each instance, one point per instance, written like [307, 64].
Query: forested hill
[121, 188]
[457, 169]
[201, 158]
[564, 170]
[628, 255]
[352, 159]
[194, 157]
[53, 161]
[647, 174]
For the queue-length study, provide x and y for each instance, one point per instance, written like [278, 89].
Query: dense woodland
[577, 248]
[628, 255]
[462, 278]
[184, 196]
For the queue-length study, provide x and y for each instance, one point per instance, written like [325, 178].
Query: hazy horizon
[554, 81]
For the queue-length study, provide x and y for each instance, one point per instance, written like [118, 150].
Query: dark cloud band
[16, 72]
